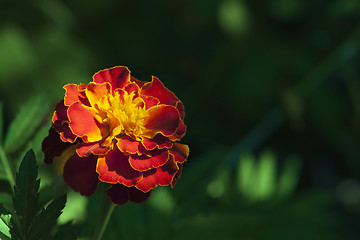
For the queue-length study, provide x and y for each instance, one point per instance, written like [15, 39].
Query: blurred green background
[272, 96]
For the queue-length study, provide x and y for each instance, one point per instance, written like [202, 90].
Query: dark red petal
[75, 93]
[85, 149]
[132, 87]
[128, 145]
[180, 132]
[159, 141]
[52, 146]
[158, 176]
[156, 89]
[118, 77]
[138, 82]
[149, 101]
[180, 107]
[115, 168]
[119, 194]
[60, 114]
[80, 175]
[161, 118]
[65, 132]
[144, 163]
[180, 152]
[177, 175]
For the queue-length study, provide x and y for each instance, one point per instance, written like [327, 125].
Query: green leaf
[26, 192]
[290, 176]
[1, 121]
[68, 231]
[25, 123]
[245, 173]
[4, 223]
[266, 176]
[47, 219]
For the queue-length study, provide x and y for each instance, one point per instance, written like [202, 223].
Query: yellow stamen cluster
[123, 115]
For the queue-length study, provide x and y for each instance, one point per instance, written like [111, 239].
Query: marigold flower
[117, 130]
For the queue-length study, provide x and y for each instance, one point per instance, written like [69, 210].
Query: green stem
[9, 173]
[106, 209]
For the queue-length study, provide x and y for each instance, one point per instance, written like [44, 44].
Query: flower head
[117, 130]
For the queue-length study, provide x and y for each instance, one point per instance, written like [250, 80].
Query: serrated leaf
[15, 229]
[47, 219]
[26, 192]
[68, 231]
[23, 126]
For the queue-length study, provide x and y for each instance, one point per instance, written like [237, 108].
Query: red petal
[80, 175]
[149, 101]
[158, 176]
[180, 152]
[65, 132]
[75, 93]
[52, 146]
[118, 77]
[161, 118]
[132, 87]
[85, 149]
[84, 124]
[94, 91]
[177, 175]
[60, 114]
[156, 89]
[119, 194]
[144, 163]
[128, 145]
[159, 141]
[115, 168]
[180, 107]
[138, 82]
[180, 132]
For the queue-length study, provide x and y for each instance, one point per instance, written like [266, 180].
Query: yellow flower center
[123, 116]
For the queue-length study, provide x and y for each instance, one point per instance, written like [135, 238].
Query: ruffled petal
[118, 77]
[180, 132]
[177, 175]
[60, 114]
[128, 145]
[180, 152]
[52, 146]
[144, 163]
[115, 168]
[138, 82]
[85, 149]
[158, 176]
[119, 194]
[162, 119]
[60, 123]
[180, 107]
[94, 91]
[84, 124]
[80, 175]
[159, 141]
[150, 101]
[156, 89]
[75, 93]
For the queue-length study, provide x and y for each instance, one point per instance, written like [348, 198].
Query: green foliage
[259, 180]
[25, 123]
[26, 192]
[27, 221]
[1, 121]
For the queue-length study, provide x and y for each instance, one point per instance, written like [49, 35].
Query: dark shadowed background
[271, 90]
